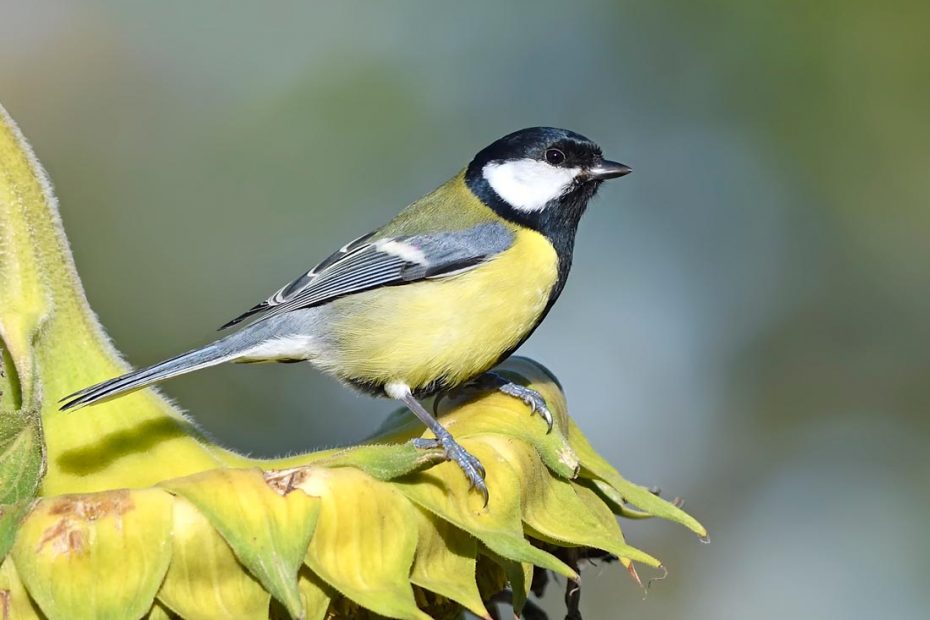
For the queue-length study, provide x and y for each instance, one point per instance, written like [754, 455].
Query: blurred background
[746, 322]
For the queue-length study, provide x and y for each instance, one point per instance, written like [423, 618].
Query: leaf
[204, 580]
[505, 415]
[96, 556]
[21, 456]
[11, 515]
[554, 511]
[606, 519]
[384, 462]
[635, 494]
[268, 531]
[364, 541]
[160, 612]
[443, 490]
[519, 576]
[445, 562]
[10, 395]
[317, 594]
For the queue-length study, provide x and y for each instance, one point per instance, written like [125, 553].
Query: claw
[533, 400]
[472, 467]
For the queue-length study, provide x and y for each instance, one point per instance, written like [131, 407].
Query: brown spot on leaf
[62, 537]
[5, 604]
[75, 511]
[93, 506]
[284, 481]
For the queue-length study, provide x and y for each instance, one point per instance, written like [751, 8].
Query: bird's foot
[472, 467]
[532, 398]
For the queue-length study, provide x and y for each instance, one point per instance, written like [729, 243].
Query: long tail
[231, 348]
[210, 355]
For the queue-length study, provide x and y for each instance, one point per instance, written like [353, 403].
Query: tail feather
[210, 355]
[250, 344]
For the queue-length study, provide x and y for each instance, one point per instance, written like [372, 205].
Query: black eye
[555, 156]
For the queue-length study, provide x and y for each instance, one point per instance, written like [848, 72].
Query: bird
[432, 301]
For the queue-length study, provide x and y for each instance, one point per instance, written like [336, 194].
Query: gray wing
[368, 263]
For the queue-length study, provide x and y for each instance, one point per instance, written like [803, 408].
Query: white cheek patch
[528, 184]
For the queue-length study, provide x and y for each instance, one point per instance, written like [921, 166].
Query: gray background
[746, 324]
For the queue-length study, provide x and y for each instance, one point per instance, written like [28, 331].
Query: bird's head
[540, 177]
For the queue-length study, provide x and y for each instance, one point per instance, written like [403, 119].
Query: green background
[746, 324]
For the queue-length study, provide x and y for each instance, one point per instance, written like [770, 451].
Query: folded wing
[368, 262]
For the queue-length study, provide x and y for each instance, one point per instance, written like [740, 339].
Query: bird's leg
[472, 467]
[532, 398]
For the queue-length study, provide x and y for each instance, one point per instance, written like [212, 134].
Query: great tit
[435, 298]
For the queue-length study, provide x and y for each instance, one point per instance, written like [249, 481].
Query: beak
[608, 170]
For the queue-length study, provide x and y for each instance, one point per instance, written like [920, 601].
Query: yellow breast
[447, 329]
